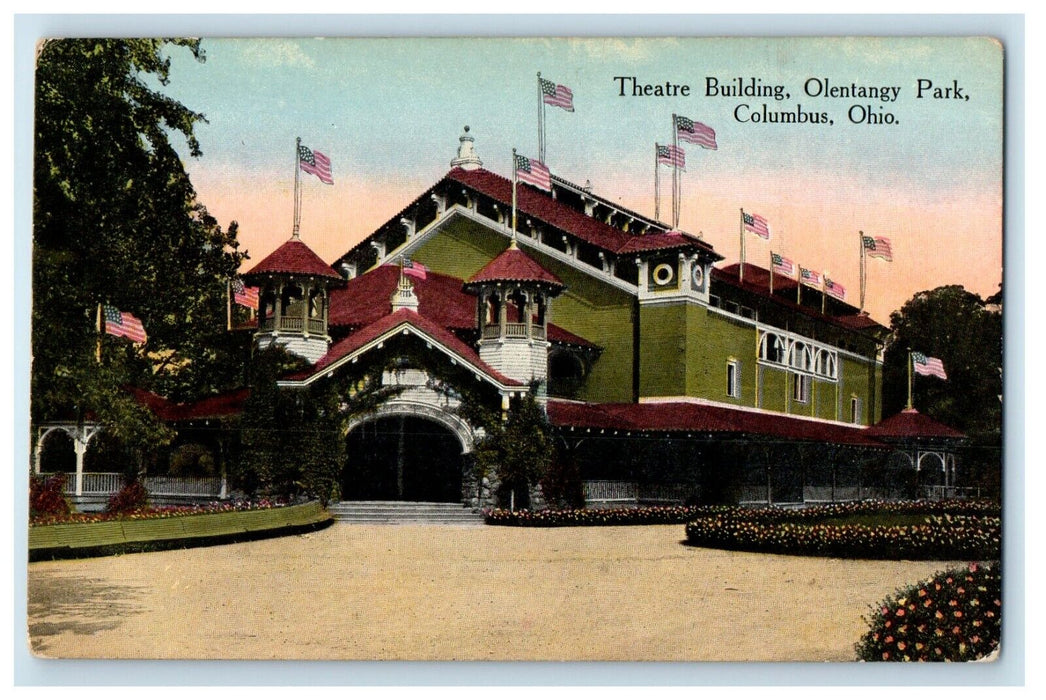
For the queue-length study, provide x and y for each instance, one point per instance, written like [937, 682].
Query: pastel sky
[389, 112]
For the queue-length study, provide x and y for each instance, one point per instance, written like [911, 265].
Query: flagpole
[824, 293]
[741, 277]
[675, 178]
[864, 268]
[98, 339]
[228, 305]
[514, 178]
[297, 188]
[657, 186]
[799, 287]
[909, 379]
[771, 273]
[541, 124]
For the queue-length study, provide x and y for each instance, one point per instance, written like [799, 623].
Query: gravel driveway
[437, 592]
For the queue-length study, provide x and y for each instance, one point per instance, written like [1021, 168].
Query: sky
[388, 113]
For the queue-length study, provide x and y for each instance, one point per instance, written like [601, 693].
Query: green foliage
[519, 451]
[117, 221]
[954, 616]
[958, 327]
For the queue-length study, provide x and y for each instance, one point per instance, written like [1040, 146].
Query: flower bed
[651, 515]
[160, 512]
[954, 616]
[171, 528]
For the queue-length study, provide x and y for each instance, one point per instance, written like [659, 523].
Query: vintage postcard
[606, 349]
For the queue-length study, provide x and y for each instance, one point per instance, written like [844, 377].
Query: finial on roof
[467, 158]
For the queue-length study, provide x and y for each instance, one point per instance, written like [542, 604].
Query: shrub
[131, 498]
[47, 496]
[647, 515]
[954, 616]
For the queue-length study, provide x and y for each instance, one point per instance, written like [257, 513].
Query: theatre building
[667, 374]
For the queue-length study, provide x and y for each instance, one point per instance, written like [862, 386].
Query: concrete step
[403, 512]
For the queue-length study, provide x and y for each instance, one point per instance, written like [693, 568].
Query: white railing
[663, 493]
[110, 482]
[939, 493]
[183, 486]
[611, 491]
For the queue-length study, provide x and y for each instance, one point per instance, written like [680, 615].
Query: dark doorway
[402, 458]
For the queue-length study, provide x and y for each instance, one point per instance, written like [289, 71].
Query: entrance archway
[403, 458]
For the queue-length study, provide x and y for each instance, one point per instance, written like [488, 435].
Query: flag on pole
[809, 277]
[122, 324]
[756, 224]
[556, 95]
[782, 265]
[671, 155]
[928, 365]
[878, 247]
[834, 289]
[533, 172]
[414, 269]
[244, 295]
[695, 132]
[315, 163]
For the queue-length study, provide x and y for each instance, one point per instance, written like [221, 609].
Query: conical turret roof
[514, 265]
[295, 258]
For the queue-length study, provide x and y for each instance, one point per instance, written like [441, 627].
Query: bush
[131, 498]
[954, 616]
[47, 496]
[648, 515]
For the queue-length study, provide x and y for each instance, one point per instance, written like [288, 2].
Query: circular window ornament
[697, 276]
[663, 274]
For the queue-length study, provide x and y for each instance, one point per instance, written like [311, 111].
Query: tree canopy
[117, 221]
[965, 332]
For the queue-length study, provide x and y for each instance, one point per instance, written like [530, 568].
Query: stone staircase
[373, 512]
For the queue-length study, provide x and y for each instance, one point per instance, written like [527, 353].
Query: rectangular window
[855, 409]
[733, 379]
[800, 388]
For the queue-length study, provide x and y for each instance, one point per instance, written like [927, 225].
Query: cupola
[513, 294]
[467, 158]
[294, 299]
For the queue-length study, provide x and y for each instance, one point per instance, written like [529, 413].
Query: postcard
[603, 349]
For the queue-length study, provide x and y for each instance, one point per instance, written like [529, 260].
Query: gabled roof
[909, 423]
[365, 299]
[294, 257]
[404, 320]
[513, 265]
[757, 281]
[538, 204]
[687, 417]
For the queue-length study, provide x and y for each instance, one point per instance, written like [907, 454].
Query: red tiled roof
[294, 257]
[757, 281]
[227, 404]
[684, 417]
[659, 241]
[909, 423]
[365, 299]
[513, 265]
[391, 322]
[540, 205]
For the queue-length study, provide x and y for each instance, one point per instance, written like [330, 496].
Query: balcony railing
[103, 483]
[940, 493]
[292, 324]
[513, 330]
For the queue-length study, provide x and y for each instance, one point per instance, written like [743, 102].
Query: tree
[116, 220]
[961, 329]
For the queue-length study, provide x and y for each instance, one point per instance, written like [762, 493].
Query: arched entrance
[403, 458]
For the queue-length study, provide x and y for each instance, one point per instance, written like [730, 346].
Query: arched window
[772, 348]
[800, 357]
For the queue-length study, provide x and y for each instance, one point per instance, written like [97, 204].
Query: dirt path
[457, 593]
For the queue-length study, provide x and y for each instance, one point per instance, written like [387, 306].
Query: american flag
[123, 325]
[782, 265]
[695, 132]
[809, 277]
[878, 247]
[756, 224]
[414, 269]
[533, 172]
[671, 155]
[928, 365]
[556, 95]
[244, 295]
[315, 163]
[834, 289]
